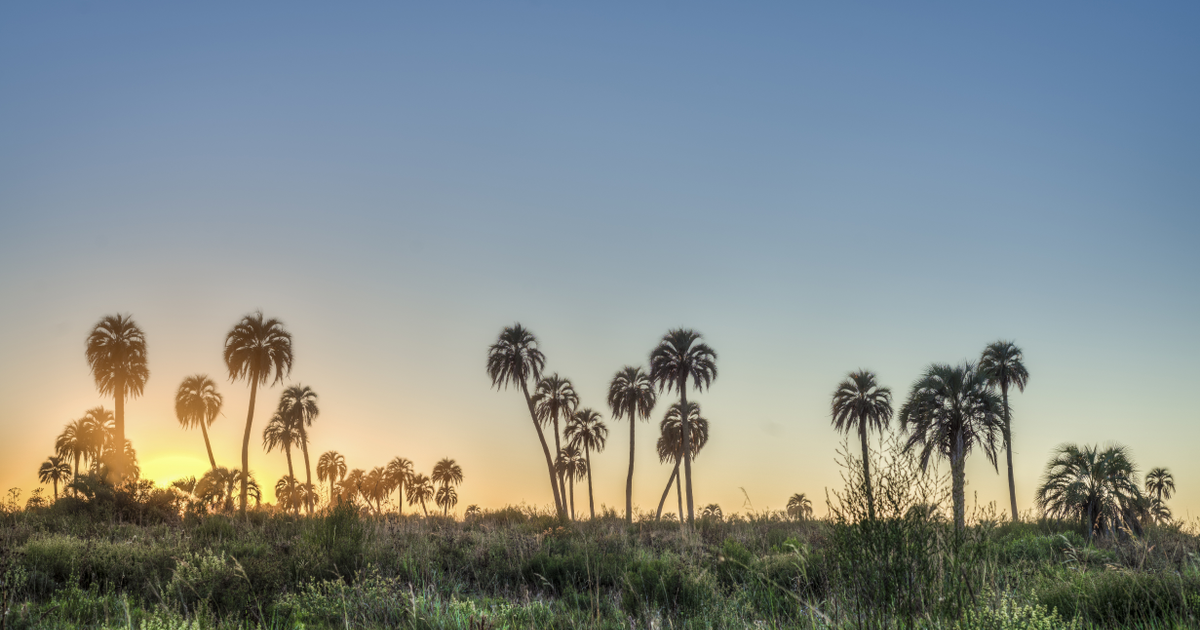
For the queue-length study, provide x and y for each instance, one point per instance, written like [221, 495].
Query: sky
[815, 187]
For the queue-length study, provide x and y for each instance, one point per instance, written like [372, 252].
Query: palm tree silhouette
[331, 467]
[1097, 486]
[255, 350]
[197, 403]
[375, 487]
[571, 467]
[116, 355]
[420, 490]
[446, 498]
[586, 429]
[681, 355]
[75, 443]
[447, 473]
[1160, 485]
[516, 359]
[555, 398]
[670, 446]
[54, 470]
[280, 433]
[473, 511]
[215, 488]
[299, 404]
[399, 471]
[351, 486]
[286, 492]
[713, 511]
[951, 410]
[860, 404]
[101, 435]
[630, 394]
[799, 506]
[1001, 366]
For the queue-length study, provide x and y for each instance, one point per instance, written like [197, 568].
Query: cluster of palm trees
[89, 440]
[680, 356]
[375, 487]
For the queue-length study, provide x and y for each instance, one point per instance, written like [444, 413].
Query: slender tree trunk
[572, 484]
[587, 453]
[400, 494]
[55, 480]
[679, 496]
[307, 468]
[687, 447]
[629, 478]
[558, 503]
[246, 440]
[667, 490]
[1012, 485]
[423, 509]
[959, 479]
[330, 490]
[562, 485]
[862, 433]
[208, 445]
[118, 461]
[291, 476]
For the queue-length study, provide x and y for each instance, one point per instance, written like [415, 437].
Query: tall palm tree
[399, 471]
[515, 359]
[681, 355]
[446, 498]
[299, 404]
[54, 470]
[331, 467]
[671, 448]
[197, 403]
[1160, 485]
[1002, 366]
[555, 398]
[256, 350]
[951, 410]
[586, 429]
[860, 405]
[631, 394]
[116, 355]
[420, 490]
[799, 506]
[571, 467]
[447, 472]
[1097, 486]
[281, 434]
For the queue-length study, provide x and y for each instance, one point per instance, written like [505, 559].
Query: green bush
[1122, 598]
[665, 584]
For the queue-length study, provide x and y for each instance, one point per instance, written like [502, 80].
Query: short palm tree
[116, 355]
[447, 474]
[554, 398]
[670, 446]
[286, 493]
[631, 394]
[1002, 366]
[681, 355]
[258, 350]
[281, 434]
[799, 506]
[950, 411]
[515, 359]
[571, 467]
[54, 470]
[1099, 487]
[101, 433]
[420, 490]
[399, 471]
[713, 511]
[197, 403]
[215, 488]
[446, 498]
[586, 429]
[350, 487]
[1160, 485]
[375, 487]
[331, 467]
[473, 511]
[299, 404]
[75, 442]
[861, 405]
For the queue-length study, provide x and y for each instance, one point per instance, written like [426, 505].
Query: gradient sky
[816, 188]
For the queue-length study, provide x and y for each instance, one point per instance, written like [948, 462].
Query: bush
[665, 584]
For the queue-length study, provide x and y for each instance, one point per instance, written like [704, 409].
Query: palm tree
[670, 445]
[299, 404]
[447, 474]
[116, 355]
[1001, 366]
[713, 511]
[446, 498]
[951, 410]
[75, 442]
[554, 398]
[1097, 486]
[420, 490]
[280, 433]
[1160, 485]
[860, 404]
[681, 355]
[799, 506]
[256, 350]
[286, 493]
[331, 467]
[101, 434]
[375, 487]
[351, 486]
[215, 488]
[572, 468]
[586, 428]
[399, 471]
[516, 359]
[54, 470]
[473, 511]
[197, 402]
[631, 394]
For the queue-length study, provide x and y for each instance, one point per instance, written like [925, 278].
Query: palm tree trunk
[629, 478]
[1012, 485]
[307, 468]
[572, 499]
[55, 480]
[587, 453]
[424, 509]
[958, 481]
[558, 504]
[119, 413]
[562, 485]
[291, 475]
[667, 490]
[207, 445]
[400, 495]
[862, 433]
[246, 441]
[679, 496]
[687, 447]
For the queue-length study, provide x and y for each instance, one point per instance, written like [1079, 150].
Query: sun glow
[163, 469]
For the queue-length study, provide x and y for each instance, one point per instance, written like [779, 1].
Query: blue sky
[815, 188]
